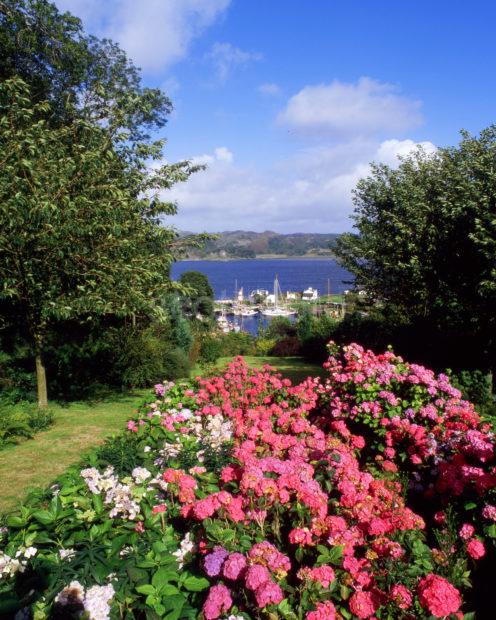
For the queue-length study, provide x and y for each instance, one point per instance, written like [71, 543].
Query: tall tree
[426, 238]
[78, 74]
[80, 227]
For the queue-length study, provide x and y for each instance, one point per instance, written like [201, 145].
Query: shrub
[210, 349]
[287, 346]
[255, 498]
[176, 364]
[22, 420]
[264, 346]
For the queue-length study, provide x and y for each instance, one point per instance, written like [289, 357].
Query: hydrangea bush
[254, 498]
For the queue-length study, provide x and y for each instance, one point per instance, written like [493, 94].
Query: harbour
[250, 293]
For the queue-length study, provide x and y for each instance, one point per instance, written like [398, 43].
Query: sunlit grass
[77, 427]
[80, 426]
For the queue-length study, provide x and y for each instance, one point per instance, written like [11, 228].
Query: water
[251, 274]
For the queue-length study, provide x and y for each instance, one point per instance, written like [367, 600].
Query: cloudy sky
[287, 101]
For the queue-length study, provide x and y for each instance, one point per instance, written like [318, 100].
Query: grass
[80, 426]
[77, 427]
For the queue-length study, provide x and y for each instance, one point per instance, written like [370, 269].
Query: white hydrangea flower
[140, 474]
[30, 552]
[186, 546]
[9, 566]
[97, 601]
[123, 503]
[67, 554]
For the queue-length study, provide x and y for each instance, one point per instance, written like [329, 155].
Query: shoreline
[263, 257]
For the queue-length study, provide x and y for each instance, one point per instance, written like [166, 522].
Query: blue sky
[287, 101]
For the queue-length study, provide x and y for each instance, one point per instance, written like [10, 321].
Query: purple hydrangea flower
[213, 561]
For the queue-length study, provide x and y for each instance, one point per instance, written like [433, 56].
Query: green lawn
[77, 427]
[81, 425]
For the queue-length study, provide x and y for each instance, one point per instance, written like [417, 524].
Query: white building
[259, 293]
[310, 294]
[291, 295]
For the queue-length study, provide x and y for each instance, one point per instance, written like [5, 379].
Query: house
[291, 295]
[310, 294]
[260, 294]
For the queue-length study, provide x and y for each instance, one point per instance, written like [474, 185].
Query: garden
[368, 493]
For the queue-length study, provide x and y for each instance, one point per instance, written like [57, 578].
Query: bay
[294, 275]
[250, 274]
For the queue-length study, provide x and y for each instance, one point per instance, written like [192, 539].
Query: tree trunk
[41, 383]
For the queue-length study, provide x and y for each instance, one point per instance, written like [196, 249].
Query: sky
[287, 102]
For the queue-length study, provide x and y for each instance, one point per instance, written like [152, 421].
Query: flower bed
[242, 496]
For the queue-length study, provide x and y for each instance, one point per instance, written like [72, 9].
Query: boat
[277, 310]
[248, 312]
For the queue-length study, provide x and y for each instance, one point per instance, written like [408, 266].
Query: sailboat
[277, 310]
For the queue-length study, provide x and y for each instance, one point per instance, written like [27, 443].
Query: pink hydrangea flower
[363, 604]
[234, 566]
[218, 602]
[401, 595]
[475, 549]
[466, 531]
[269, 593]
[256, 576]
[323, 611]
[438, 596]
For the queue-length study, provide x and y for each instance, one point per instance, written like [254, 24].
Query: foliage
[216, 345]
[279, 327]
[475, 387]
[79, 75]
[304, 324]
[265, 345]
[179, 331]
[146, 356]
[198, 298]
[426, 238]
[246, 496]
[286, 346]
[21, 421]
[76, 239]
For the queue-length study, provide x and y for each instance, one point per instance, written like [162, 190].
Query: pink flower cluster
[412, 416]
[286, 468]
[313, 471]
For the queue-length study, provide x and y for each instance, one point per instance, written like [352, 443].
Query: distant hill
[247, 244]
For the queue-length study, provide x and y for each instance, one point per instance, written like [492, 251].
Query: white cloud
[154, 33]
[225, 58]
[269, 88]
[310, 192]
[367, 107]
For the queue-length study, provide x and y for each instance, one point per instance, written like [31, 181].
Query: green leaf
[16, 522]
[164, 575]
[196, 584]
[147, 589]
[43, 516]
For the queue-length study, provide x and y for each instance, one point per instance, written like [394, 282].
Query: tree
[199, 295]
[80, 76]
[80, 228]
[426, 239]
